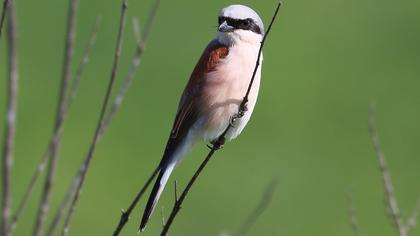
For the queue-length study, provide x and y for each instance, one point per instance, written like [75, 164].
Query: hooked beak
[224, 27]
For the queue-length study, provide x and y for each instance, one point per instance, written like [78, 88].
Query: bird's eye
[231, 22]
[245, 24]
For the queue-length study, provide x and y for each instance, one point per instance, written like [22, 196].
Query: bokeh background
[325, 61]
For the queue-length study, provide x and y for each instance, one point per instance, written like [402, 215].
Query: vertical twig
[60, 117]
[61, 210]
[221, 140]
[135, 63]
[86, 162]
[352, 216]
[259, 209]
[10, 126]
[72, 94]
[107, 120]
[136, 29]
[3, 15]
[134, 66]
[85, 60]
[386, 177]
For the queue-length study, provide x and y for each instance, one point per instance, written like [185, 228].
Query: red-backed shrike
[214, 92]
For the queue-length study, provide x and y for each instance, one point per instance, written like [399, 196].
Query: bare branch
[60, 117]
[3, 15]
[86, 162]
[259, 209]
[221, 140]
[386, 177]
[135, 63]
[125, 216]
[411, 223]
[178, 203]
[72, 94]
[107, 120]
[85, 60]
[134, 66]
[10, 124]
[27, 194]
[136, 29]
[62, 208]
[352, 217]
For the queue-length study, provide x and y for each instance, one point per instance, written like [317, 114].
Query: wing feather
[188, 110]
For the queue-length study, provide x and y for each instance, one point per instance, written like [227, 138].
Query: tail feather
[160, 183]
[174, 152]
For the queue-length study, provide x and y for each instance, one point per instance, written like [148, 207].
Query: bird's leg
[220, 142]
[243, 108]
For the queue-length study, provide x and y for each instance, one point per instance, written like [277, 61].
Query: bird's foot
[217, 144]
[242, 110]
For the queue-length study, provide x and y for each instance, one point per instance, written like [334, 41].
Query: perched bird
[214, 92]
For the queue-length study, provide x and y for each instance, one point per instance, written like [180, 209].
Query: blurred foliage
[324, 62]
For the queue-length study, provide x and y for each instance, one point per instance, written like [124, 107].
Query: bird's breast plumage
[223, 90]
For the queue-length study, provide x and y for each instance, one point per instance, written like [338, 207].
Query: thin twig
[178, 203]
[62, 208]
[60, 117]
[10, 124]
[386, 177]
[259, 209]
[136, 29]
[27, 194]
[221, 140]
[352, 217]
[110, 115]
[135, 63]
[141, 40]
[86, 162]
[107, 120]
[125, 216]
[3, 15]
[72, 94]
[411, 223]
[85, 60]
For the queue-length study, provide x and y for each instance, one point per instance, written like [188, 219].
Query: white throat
[239, 37]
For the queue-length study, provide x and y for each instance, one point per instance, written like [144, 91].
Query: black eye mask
[244, 24]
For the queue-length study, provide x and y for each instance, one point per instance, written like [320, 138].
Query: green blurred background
[324, 62]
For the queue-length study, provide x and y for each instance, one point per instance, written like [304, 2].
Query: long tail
[160, 183]
[172, 156]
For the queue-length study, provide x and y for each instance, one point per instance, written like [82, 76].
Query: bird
[214, 92]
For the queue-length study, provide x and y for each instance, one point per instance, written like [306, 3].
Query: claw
[243, 109]
[218, 143]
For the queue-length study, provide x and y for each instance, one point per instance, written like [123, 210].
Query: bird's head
[239, 23]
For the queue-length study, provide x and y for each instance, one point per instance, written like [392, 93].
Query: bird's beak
[224, 27]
